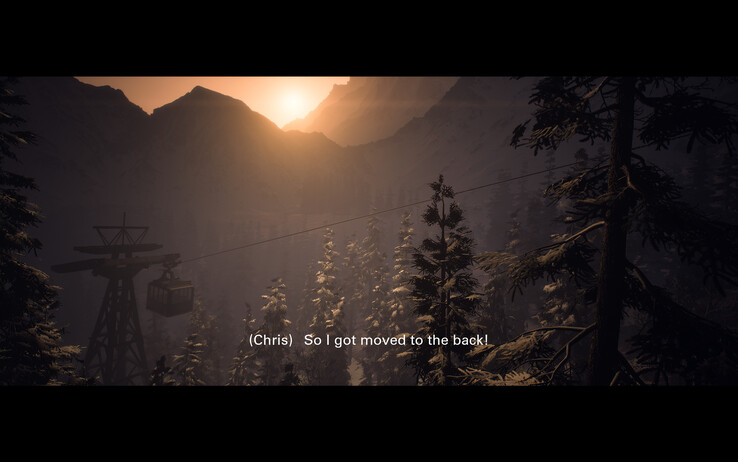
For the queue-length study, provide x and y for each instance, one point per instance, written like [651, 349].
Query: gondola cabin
[170, 296]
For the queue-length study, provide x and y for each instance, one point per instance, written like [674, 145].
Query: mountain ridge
[369, 108]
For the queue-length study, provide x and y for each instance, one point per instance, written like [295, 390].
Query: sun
[293, 103]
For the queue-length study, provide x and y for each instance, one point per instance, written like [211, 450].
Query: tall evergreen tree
[403, 274]
[209, 334]
[326, 364]
[631, 196]
[303, 314]
[443, 291]
[374, 266]
[245, 367]
[400, 321]
[194, 364]
[351, 288]
[31, 350]
[374, 296]
[272, 354]
[376, 325]
[188, 364]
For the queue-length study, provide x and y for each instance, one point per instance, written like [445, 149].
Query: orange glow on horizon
[280, 99]
[293, 105]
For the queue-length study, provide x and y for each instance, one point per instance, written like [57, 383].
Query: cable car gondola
[169, 295]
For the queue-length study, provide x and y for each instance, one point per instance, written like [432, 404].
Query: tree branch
[540, 329]
[596, 89]
[629, 180]
[580, 233]
[566, 349]
[640, 276]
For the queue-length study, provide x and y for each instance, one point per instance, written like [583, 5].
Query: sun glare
[293, 104]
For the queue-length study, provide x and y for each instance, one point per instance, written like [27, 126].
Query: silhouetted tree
[31, 350]
[400, 320]
[303, 313]
[631, 196]
[326, 364]
[195, 365]
[209, 334]
[351, 277]
[373, 265]
[188, 364]
[374, 297]
[273, 353]
[443, 291]
[244, 371]
[376, 325]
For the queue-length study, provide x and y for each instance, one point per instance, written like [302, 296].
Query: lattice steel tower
[115, 353]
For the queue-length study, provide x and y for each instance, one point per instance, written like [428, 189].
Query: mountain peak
[200, 96]
[201, 93]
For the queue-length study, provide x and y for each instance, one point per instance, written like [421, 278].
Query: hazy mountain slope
[466, 137]
[209, 142]
[98, 155]
[83, 131]
[469, 128]
[366, 109]
[204, 172]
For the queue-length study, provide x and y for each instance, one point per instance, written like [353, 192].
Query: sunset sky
[281, 99]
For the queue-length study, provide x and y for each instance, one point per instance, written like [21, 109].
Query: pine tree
[188, 364]
[244, 371]
[303, 313]
[376, 325]
[31, 350]
[630, 196]
[373, 265]
[443, 291]
[351, 277]
[400, 322]
[209, 334]
[194, 365]
[326, 364]
[272, 353]
[374, 297]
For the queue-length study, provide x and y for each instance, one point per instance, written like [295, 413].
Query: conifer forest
[565, 231]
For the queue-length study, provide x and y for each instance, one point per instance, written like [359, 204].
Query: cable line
[304, 231]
